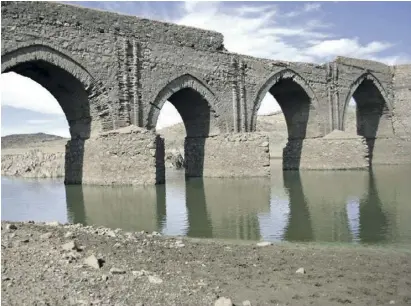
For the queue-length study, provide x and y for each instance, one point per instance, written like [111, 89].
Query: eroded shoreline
[156, 270]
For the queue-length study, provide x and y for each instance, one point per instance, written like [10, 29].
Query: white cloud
[21, 92]
[38, 121]
[310, 7]
[329, 49]
[306, 8]
[168, 116]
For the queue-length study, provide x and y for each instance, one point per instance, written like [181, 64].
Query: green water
[324, 206]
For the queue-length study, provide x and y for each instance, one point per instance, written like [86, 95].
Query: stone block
[228, 155]
[116, 158]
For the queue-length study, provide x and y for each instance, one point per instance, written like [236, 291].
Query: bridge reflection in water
[326, 206]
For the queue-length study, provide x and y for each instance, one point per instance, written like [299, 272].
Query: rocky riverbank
[33, 164]
[51, 264]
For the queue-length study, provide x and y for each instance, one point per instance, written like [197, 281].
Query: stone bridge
[113, 73]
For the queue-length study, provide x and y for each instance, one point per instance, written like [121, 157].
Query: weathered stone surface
[116, 158]
[33, 164]
[71, 245]
[198, 273]
[264, 243]
[222, 301]
[11, 227]
[92, 261]
[327, 153]
[112, 74]
[227, 155]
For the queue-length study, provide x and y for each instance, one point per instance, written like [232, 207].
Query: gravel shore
[51, 264]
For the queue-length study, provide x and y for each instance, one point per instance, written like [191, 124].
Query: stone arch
[373, 113]
[367, 76]
[195, 116]
[296, 83]
[66, 79]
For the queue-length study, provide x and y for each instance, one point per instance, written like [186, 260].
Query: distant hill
[30, 140]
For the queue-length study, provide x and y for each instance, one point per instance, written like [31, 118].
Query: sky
[292, 31]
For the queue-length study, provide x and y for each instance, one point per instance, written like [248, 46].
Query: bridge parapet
[50, 14]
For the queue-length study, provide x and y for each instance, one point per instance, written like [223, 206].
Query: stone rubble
[164, 275]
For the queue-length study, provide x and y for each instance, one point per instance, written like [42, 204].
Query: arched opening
[194, 103]
[366, 112]
[28, 108]
[294, 119]
[69, 84]
[170, 126]
[271, 121]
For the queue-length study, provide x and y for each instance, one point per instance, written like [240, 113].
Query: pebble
[117, 245]
[300, 271]
[264, 243]
[53, 223]
[69, 235]
[140, 273]
[72, 245]
[179, 244]
[154, 279]
[11, 227]
[111, 233]
[92, 261]
[246, 303]
[104, 277]
[392, 302]
[46, 236]
[222, 301]
[115, 270]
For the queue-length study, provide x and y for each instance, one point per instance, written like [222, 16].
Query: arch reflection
[227, 208]
[299, 226]
[129, 208]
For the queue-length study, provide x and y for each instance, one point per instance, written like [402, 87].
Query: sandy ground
[141, 269]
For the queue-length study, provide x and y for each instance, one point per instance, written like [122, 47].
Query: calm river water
[333, 206]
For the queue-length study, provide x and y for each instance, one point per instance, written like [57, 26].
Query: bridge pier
[335, 151]
[127, 156]
[228, 155]
[135, 156]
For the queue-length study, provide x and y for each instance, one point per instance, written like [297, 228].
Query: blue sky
[294, 31]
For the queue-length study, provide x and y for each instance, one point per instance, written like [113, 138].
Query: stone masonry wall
[257, 76]
[228, 155]
[123, 54]
[336, 151]
[377, 89]
[127, 156]
[392, 151]
[402, 100]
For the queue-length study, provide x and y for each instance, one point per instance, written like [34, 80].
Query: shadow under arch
[299, 226]
[373, 221]
[195, 103]
[299, 105]
[373, 110]
[70, 84]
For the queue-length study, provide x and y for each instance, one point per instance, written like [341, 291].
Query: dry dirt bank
[142, 269]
